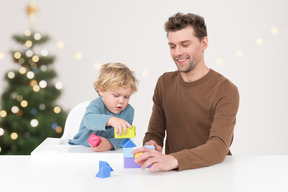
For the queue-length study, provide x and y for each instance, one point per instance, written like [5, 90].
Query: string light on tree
[3, 113]
[22, 70]
[43, 84]
[1, 131]
[59, 85]
[57, 109]
[34, 123]
[15, 109]
[11, 75]
[14, 136]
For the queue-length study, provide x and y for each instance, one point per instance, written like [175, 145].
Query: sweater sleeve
[221, 133]
[95, 117]
[156, 128]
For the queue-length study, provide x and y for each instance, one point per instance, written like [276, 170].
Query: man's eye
[185, 45]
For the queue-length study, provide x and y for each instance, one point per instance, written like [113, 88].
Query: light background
[131, 32]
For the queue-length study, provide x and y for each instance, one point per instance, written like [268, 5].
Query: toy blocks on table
[104, 164]
[104, 169]
[149, 146]
[136, 155]
[94, 140]
[129, 134]
[103, 172]
[130, 163]
[128, 143]
[127, 152]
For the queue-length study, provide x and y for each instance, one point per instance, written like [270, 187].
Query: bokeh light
[57, 109]
[14, 136]
[34, 123]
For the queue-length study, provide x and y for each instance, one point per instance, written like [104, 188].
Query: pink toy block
[94, 140]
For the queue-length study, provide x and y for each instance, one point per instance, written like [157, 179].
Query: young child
[115, 84]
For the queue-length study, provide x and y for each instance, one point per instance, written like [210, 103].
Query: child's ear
[101, 92]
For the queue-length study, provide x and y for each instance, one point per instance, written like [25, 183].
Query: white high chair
[58, 149]
[73, 121]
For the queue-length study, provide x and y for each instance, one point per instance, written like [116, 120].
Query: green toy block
[130, 133]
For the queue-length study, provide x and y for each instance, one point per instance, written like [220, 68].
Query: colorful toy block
[149, 146]
[103, 172]
[129, 134]
[104, 169]
[130, 163]
[128, 143]
[104, 164]
[136, 155]
[94, 140]
[127, 152]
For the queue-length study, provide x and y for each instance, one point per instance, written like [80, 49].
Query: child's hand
[119, 125]
[105, 145]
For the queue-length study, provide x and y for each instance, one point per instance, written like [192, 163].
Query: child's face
[117, 99]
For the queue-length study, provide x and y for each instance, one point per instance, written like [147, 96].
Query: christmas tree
[28, 113]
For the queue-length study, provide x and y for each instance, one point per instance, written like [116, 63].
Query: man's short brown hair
[180, 21]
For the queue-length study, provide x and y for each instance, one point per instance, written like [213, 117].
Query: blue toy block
[104, 164]
[128, 143]
[127, 152]
[104, 172]
[149, 146]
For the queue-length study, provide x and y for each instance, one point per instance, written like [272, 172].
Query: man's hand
[104, 145]
[156, 159]
[119, 125]
[157, 147]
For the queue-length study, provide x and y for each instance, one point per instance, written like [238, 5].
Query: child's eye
[115, 95]
[127, 97]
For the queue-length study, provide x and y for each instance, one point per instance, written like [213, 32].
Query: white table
[74, 169]
[237, 173]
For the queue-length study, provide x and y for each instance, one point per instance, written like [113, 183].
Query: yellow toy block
[130, 133]
[136, 155]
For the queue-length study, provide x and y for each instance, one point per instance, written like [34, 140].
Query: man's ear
[204, 43]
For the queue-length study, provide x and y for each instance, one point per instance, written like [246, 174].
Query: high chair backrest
[73, 121]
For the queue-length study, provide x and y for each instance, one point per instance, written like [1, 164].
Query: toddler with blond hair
[111, 110]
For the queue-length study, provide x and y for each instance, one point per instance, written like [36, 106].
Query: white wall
[131, 32]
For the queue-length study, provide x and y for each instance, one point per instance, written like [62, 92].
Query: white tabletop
[236, 173]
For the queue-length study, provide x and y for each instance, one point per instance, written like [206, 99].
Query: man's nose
[178, 50]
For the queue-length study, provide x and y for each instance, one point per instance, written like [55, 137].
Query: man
[195, 107]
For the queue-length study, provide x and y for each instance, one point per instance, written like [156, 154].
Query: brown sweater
[198, 118]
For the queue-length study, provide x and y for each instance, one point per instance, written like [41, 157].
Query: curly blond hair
[113, 75]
